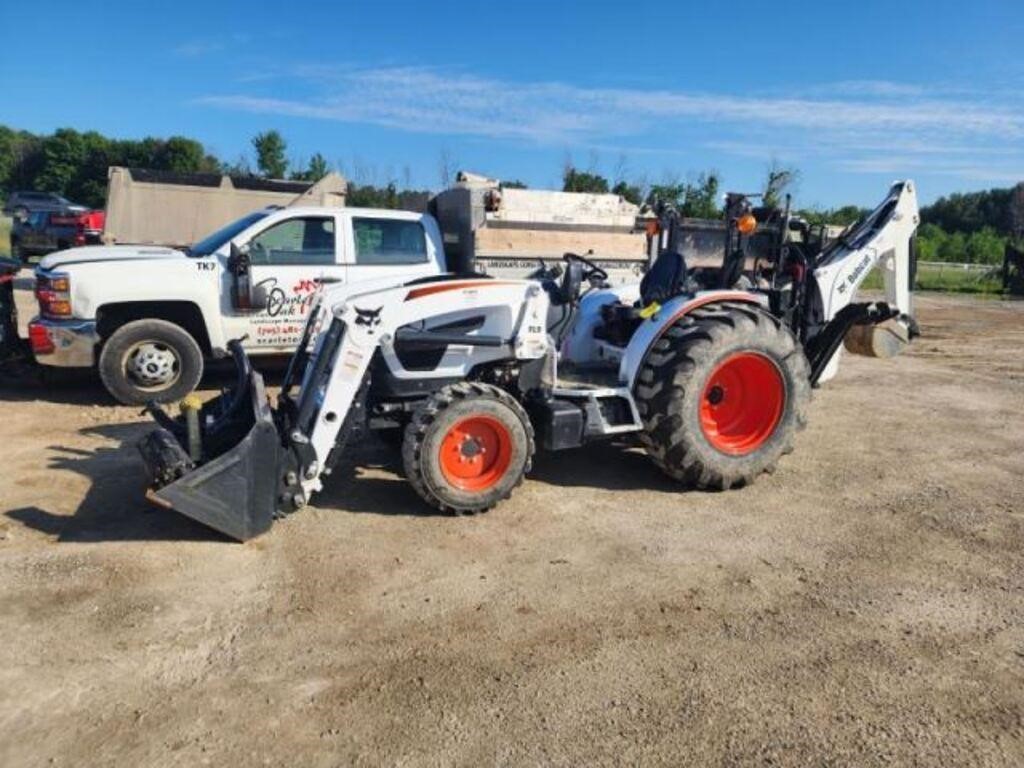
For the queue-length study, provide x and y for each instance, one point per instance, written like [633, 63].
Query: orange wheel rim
[742, 403]
[476, 453]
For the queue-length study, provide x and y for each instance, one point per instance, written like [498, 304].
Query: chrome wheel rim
[152, 365]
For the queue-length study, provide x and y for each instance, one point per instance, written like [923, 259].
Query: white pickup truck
[149, 330]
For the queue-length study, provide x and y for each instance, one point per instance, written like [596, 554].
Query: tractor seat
[666, 278]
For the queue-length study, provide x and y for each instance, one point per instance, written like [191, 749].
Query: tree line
[971, 227]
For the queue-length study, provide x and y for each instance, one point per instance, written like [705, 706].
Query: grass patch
[5, 235]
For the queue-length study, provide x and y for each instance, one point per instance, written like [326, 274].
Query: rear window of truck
[389, 241]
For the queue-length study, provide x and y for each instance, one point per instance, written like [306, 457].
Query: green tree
[89, 185]
[315, 170]
[971, 211]
[985, 246]
[842, 216]
[318, 167]
[20, 159]
[63, 155]
[952, 248]
[514, 184]
[779, 180]
[702, 197]
[270, 149]
[668, 193]
[583, 181]
[930, 238]
[697, 199]
[627, 191]
[181, 155]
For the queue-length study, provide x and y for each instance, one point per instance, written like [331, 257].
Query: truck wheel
[467, 447]
[150, 360]
[721, 396]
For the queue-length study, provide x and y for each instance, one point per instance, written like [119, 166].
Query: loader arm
[257, 463]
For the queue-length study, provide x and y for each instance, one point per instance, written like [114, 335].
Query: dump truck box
[147, 207]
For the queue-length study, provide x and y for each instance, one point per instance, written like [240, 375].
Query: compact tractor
[710, 369]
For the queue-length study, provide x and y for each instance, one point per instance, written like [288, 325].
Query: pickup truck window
[309, 240]
[211, 243]
[389, 241]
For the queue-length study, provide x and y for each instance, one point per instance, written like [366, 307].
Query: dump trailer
[504, 232]
[146, 207]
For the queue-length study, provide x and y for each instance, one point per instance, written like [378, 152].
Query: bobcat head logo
[368, 317]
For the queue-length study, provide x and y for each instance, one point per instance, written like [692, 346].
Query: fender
[652, 329]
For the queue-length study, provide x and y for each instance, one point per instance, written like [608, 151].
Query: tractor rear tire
[721, 395]
[467, 448]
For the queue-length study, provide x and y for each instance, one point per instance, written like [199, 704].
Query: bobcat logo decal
[368, 317]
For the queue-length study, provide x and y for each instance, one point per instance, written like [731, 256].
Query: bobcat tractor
[710, 370]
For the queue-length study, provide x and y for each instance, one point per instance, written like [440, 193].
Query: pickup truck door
[289, 260]
[389, 247]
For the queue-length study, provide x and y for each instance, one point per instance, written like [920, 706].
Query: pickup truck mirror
[238, 257]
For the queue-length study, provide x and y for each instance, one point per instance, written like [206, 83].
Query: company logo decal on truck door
[282, 321]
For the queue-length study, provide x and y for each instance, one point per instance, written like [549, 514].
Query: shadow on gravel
[349, 490]
[615, 466]
[605, 466]
[27, 382]
[113, 508]
[22, 382]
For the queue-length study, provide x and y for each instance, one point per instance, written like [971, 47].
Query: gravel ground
[862, 606]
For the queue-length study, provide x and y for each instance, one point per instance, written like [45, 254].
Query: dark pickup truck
[43, 232]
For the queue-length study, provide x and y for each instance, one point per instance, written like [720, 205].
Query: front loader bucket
[234, 492]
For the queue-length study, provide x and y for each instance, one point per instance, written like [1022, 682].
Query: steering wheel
[592, 273]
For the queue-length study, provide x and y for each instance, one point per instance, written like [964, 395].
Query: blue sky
[853, 94]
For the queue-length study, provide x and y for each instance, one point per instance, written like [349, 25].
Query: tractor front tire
[467, 448]
[721, 395]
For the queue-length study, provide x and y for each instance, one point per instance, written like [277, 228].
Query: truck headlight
[53, 292]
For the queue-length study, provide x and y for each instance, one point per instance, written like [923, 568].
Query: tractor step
[573, 416]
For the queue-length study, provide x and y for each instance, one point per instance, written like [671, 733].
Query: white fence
[944, 266]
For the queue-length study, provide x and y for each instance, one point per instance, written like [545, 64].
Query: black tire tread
[664, 377]
[122, 390]
[417, 429]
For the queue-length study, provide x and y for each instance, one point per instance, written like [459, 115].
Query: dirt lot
[862, 606]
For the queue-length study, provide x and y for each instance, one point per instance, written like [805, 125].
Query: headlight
[53, 292]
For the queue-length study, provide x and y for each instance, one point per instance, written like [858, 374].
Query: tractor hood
[92, 254]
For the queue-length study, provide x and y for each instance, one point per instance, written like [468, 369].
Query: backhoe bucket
[233, 491]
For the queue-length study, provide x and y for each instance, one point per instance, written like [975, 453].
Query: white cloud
[426, 100]
[880, 88]
[968, 170]
[852, 122]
